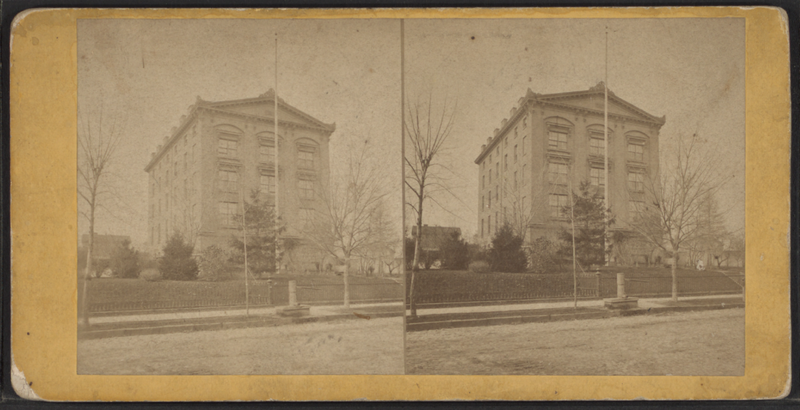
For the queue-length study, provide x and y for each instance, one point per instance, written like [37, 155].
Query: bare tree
[517, 210]
[382, 244]
[427, 129]
[345, 225]
[670, 214]
[98, 141]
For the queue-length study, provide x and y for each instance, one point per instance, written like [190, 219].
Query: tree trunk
[674, 276]
[346, 277]
[417, 247]
[83, 314]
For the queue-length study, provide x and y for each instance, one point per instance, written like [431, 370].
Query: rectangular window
[194, 146]
[483, 202]
[497, 192]
[557, 140]
[305, 159]
[228, 180]
[185, 161]
[636, 151]
[227, 213]
[482, 226]
[515, 154]
[634, 208]
[175, 169]
[227, 148]
[515, 132]
[515, 180]
[557, 204]
[636, 181]
[596, 146]
[496, 221]
[267, 184]
[557, 172]
[525, 122]
[490, 176]
[306, 189]
[266, 154]
[505, 161]
[489, 225]
[483, 182]
[524, 138]
[597, 176]
[306, 218]
[524, 167]
[490, 199]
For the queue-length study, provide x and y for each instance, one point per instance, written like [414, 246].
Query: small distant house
[104, 246]
[431, 241]
[433, 236]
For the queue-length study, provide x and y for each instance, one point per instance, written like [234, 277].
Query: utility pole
[277, 164]
[605, 159]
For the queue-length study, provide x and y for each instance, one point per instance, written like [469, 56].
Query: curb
[213, 324]
[539, 316]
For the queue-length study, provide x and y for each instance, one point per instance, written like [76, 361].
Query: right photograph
[574, 196]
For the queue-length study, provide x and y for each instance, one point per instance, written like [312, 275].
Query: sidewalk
[478, 316]
[239, 312]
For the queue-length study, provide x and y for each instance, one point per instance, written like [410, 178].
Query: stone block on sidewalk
[621, 303]
[293, 311]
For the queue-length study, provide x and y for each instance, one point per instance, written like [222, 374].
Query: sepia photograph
[574, 196]
[400, 204]
[239, 197]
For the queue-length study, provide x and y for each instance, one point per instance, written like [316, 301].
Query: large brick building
[222, 149]
[553, 142]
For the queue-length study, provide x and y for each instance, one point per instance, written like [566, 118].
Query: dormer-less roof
[572, 100]
[234, 108]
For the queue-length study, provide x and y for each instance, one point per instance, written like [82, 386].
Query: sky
[690, 70]
[146, 73]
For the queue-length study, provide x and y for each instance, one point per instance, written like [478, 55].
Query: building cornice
[213, 107]
[532, 98]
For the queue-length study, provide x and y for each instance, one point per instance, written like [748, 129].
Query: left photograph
[239, 201]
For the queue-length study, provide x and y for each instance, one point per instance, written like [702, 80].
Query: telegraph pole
[277, 163]
[605, 159]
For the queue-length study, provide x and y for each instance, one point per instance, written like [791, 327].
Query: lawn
[139, 293]
[445, 286]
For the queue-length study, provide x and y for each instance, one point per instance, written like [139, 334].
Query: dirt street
[344, 347]
[693, 343]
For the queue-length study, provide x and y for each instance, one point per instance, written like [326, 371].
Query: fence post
[597, 275]
[292, 293]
